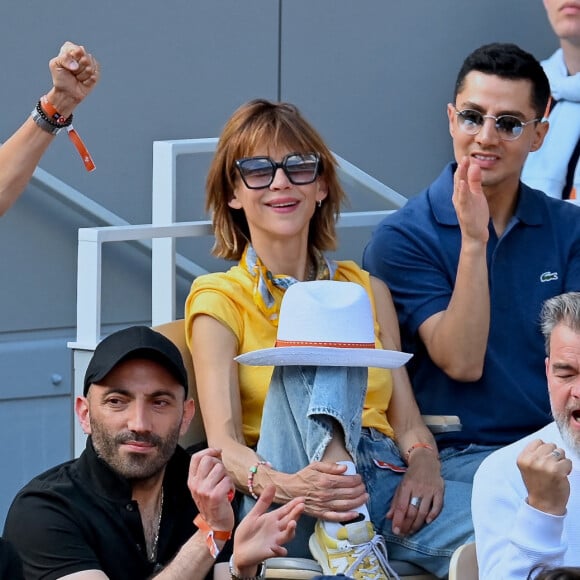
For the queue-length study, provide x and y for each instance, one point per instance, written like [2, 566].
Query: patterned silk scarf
[264, 280]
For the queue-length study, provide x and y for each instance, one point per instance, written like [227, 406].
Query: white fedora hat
[325, 323]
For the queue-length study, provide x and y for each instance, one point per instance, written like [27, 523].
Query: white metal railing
[85, 206]
[71, 197]
[163, 231]
[163, 210]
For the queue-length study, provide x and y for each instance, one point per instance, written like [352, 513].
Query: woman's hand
[422, 480]
[328, 493]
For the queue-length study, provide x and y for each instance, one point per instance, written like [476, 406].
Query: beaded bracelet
[50, 120]
[251, 472]
[418, 445]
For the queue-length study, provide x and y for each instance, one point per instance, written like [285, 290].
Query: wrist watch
[260, 575]
[44, 124]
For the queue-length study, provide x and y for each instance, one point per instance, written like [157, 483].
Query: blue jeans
[460, 464]
[297, 424]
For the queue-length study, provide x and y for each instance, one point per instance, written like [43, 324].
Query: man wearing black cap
[123, 509]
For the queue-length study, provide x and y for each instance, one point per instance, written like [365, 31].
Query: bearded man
[526, 496]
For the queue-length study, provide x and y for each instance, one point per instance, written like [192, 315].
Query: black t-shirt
[10, 564]
[80, 516]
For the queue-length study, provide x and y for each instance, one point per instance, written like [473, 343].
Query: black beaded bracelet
[65, 123]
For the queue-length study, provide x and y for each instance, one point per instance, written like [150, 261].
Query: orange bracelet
[81, 148]
[66, 122]
[418, 445]
[212, 535]
[51, 112]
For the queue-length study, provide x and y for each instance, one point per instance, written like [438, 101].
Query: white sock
[332, 528]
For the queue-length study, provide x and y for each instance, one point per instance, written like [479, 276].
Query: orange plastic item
[212, 535]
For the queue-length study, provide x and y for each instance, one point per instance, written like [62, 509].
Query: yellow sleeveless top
[228, 297]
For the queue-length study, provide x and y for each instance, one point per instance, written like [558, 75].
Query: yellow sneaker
[358, 552]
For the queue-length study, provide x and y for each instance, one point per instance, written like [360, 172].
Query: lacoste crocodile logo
[549, 276]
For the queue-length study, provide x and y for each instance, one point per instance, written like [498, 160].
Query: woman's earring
[319, 203]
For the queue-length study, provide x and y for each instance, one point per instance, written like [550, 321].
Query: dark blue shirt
[415, 251]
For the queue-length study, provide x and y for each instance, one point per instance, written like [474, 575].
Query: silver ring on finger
[557, 454]
[416, 501]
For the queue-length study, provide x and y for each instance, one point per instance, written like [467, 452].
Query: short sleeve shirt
[415, 251]
[80, 516]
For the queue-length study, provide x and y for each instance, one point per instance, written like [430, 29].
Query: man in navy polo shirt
[473, 257]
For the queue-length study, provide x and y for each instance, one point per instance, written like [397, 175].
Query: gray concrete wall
[373, 75]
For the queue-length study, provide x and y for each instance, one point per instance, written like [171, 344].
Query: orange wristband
[211, 535]
[81, 148]
[417, 446]
[51, 111]
[66, 122]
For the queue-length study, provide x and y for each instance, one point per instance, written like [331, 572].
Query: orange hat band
[325, 344]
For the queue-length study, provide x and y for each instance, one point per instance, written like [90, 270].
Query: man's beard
[570, 436]
[134, 466]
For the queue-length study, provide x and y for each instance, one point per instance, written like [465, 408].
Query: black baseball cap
[134, 342]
